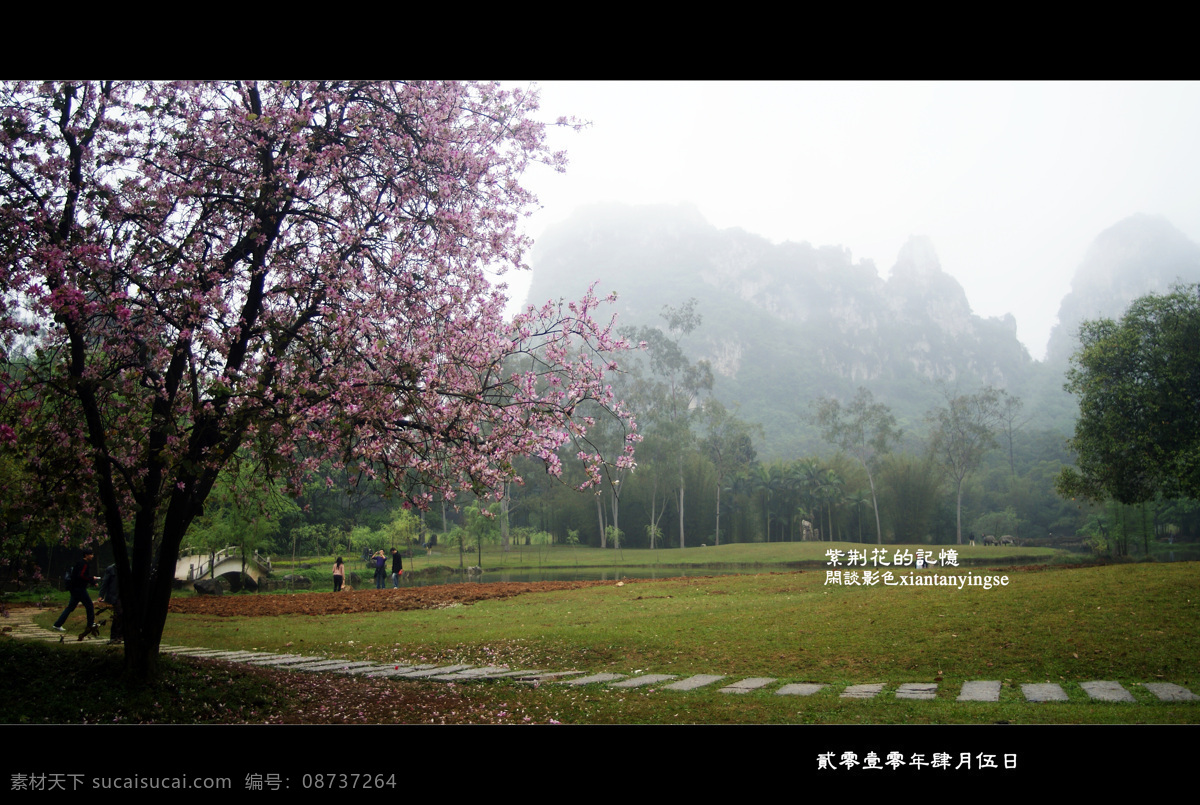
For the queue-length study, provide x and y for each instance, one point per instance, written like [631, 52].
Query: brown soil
[330, 603]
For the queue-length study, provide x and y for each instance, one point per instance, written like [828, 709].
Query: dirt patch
[343, 603]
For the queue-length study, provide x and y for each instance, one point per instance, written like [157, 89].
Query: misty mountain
[1137, 256]
[785, 324]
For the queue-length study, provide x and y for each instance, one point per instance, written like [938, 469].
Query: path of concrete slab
[19, 624]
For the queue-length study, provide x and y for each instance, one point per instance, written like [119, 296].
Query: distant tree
[1138, 383]
[864, 429]
[672, 386]
[401, 531]
[728, 443]
[997, 523]
[910, 488]
[804, 479]
[829, 493]
[244, 512]
[964, 430]
[859, 500]
[1011, 420]
[614, 536]
[766, 480]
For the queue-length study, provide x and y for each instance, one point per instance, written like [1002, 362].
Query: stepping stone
[1044, 692]
[693, 682]
[587, 680]
[234, 656]
[351, 668]
[370, 668]
[231, 656]
[643, 681]
[467, 676]
[1107, 691]
[799, 689]
[538, 677]
[444, 669]
[486, 672]
[980, 692]
[392, 670]
[289, 660]
[917, 690]
[862, 691]
[1169, 692]
[747, 685]
[278, 659]
[325, 665]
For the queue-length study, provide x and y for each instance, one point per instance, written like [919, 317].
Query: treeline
[814, 497]
[972, 469]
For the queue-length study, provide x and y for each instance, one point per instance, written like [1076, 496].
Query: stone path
[18, 623]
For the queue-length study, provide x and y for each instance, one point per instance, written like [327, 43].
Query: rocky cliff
[1139, 255]
[784, 324]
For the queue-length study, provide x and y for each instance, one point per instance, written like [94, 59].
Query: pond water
[573, 574]
[559, 573]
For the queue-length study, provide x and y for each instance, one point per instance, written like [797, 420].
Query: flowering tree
[291, 272]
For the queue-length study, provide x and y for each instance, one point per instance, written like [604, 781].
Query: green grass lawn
[1133, 623]
[1129, 622]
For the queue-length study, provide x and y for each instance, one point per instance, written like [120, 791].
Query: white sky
[1011, 181]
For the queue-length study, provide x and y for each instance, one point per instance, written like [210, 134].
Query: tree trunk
[681, 539]
[875, 505]
[504, 501]
[958, 512]
[718, 534]
[600, 517]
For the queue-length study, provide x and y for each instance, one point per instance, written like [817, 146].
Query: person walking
[397, 568]
[110, 594]
[339, 575]
[78, 582]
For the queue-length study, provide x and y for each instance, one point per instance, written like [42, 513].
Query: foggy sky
[1011, 181]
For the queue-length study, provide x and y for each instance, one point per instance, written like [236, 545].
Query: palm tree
[806, 474]
[764, 482]
[858, 501]
[829, 492]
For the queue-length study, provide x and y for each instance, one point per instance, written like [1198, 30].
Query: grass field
[774, 555]
[1133, 623]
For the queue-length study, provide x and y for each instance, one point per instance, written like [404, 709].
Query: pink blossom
[280, 272]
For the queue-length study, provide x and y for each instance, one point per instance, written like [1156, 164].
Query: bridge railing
[208, 561]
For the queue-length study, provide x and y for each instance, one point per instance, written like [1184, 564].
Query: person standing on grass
[397, 568]
[339, 575]
[380, 562]
[81, 578]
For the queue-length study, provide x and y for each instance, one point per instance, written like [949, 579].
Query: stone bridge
[226, 560]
